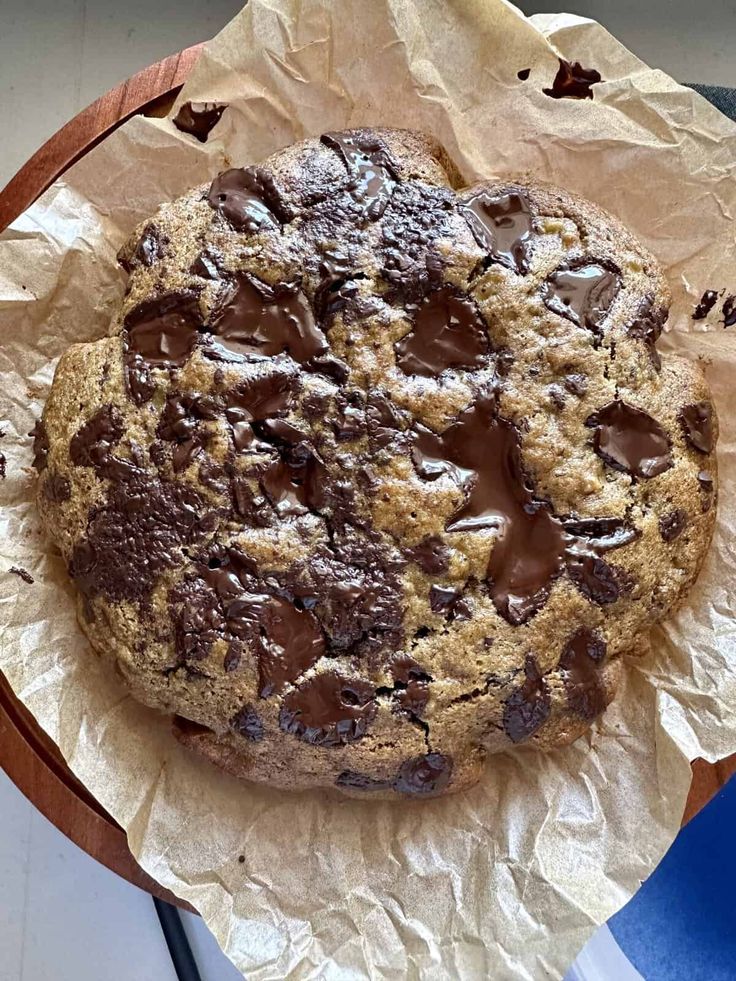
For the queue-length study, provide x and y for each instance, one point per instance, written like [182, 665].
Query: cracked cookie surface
[377, 474]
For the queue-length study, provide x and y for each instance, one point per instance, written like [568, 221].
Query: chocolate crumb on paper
[199, 118]
[523, 75]
[729, 310]
[3, 466]
[24, 574]
[705, 304]
[572, 81]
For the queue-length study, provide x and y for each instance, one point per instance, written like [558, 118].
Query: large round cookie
[375, 476]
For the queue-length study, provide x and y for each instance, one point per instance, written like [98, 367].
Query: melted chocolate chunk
[527, 708]
[137, 535]
[91, 445]
[729, 311]
[481, 453]
[40, 446]
[427, 774]
[672, 525]
[372, 172]
[139, 383]
[149, 250]
[707, 488]
[199, 118]
[580, 668]
[431, 555]
[572, 81]
[502, 226]
[697, 425]
[329, 710]
[247, 723]
[253, 318]
[597, 580]
[448, 332]
[582, 294]
[338, 284]
[647, 326]
[630, 440]
[22, 573]
[602, 534]
[383, 419]
[349, 422]
[296, 483]
[360, 781]
[705, 304]
[180, 424]
[255, 399]
[163, 329]
[411, 685]
[208, 265]
[248, 199]
[523, 74]
[57, 489]
[448, 602]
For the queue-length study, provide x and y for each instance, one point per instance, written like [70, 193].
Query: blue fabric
[681, 925]
[725, 100]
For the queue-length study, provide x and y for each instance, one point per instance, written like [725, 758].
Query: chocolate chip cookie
[377, 474]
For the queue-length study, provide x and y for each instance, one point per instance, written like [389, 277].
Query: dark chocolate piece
[523, 74]
[248, 723]
[91, 445]
[40, 445]
[705, 304]
[572, 81]
[411, 685]
[22, 573]
[428, 774]
[163, 329]
[502, 226]
[372, 173]
[580, 668]
[252, 318]
[248, 199]
[57, 488]
[707, 489]
[329, 710]
[630, 440]
[448, 332]
[696, 420]
[597, 580]
[431, 555]
[729, 311]
[199, 118]
[528, 708]
[583, 294]
[672, 525]
[647, 326]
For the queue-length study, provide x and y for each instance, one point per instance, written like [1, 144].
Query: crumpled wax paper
[509, 879]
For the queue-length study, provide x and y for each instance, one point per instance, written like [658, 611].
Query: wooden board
[27, 755]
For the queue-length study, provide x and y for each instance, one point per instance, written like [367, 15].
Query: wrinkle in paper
[510, 879]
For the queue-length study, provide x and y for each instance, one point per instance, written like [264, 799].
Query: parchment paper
[509, 880]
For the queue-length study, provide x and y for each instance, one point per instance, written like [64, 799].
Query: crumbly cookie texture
[377, 474]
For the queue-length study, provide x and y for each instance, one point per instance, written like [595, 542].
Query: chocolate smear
[91, 445]
[580, 668]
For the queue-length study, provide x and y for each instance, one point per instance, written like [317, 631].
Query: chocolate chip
[248, 723]
[580, 668]
[697, 425]
[448, 333]
[446, 601]
[428, 774]
[329, 710]
[248, 199]
[672, 525]
[705, 304]
[647, 326]
[199, 118]
[253, 318]
[372, 173]
[575, 384]
[162, 330]
[40, 445]
[57, 489]
[527, 708]
[707, 488]
[92, 444]
[630, 440]
[481, 453]
[502, 226]
[597, 580]
[557, 396]
[582, 293]
[360, 781]
[431, 555]
[729, 311]
[572, 81]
